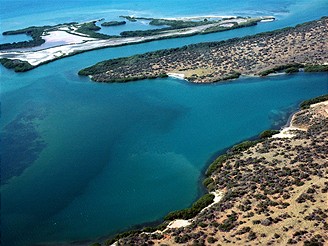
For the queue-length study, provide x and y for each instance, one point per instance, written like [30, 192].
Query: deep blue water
[94, 159]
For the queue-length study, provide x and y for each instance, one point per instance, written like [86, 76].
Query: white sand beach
[286, 132]
[289, 131]
[179, 223]
[176, 75]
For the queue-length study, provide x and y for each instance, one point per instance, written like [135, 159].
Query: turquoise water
[94, 159]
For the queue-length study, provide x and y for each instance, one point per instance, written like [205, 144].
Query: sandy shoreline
[72, 44]
[218, 195]
[275, 190]
[38, 57]
[289, 130]
[177, 75]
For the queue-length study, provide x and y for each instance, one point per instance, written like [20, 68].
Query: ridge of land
[290, 48]
[75, 38]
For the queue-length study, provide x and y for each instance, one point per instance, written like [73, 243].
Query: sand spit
[73, 42]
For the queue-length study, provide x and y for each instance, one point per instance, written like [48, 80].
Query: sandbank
[65, 41]
[38, 57]
[65, 37]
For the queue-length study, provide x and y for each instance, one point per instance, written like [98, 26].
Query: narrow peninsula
[50, 43]
[270, 191]
[303, 47]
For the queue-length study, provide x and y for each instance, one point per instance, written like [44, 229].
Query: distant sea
[82, 160]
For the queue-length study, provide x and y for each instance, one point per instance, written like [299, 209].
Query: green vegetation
[268, 133]
[243, 146]
[207, 181]
[142, 33]
[316, 68]
[110, 64]
[189, 213]
[234, 75]
[160, 227]
[116, 64]
[129, 18]
[288, 68]
[292, 70]
[90, 29]
[17, 65]
[229, 223]
[217, 164]
[179, 24]
[34, 31]
[104, 66]
[172, 24]
[306, 104]
[252, 22]
[113, 23]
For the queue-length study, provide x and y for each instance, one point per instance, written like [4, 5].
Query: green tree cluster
[191, 212]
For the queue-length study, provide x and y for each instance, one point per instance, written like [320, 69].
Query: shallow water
[115, 151]
[99, 158]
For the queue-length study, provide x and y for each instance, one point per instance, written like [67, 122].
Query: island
[269, 191]
[113, 23]
[75, 38]
[289, 50]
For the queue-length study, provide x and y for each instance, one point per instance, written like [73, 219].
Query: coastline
[177, 76]
[153, 233]
[186, 226]
[75, 43]
[262, 54]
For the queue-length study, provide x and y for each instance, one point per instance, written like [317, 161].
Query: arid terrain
[215, 61]
[274, 192]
